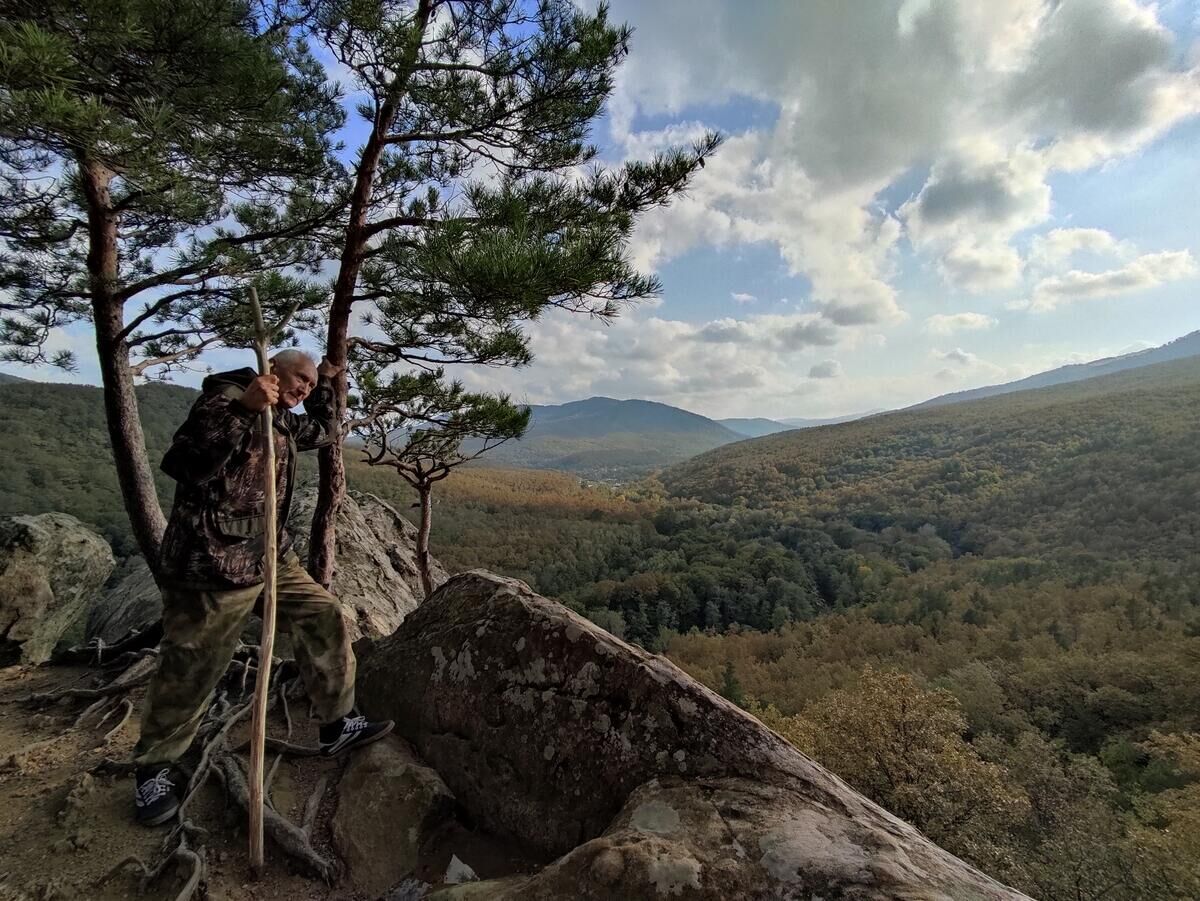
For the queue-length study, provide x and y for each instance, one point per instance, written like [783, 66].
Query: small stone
[458, 872]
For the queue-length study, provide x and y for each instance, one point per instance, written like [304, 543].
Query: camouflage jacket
[215, 536]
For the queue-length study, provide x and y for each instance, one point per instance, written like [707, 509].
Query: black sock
[330, 731]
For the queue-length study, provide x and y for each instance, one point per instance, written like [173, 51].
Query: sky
[913, 197]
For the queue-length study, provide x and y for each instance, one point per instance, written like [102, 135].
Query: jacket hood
[236, 377]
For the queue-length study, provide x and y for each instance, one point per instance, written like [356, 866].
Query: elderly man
[211, 569]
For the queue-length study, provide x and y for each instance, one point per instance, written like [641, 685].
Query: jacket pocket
[240, 527]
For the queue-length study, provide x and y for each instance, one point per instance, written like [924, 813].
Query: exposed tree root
[286, 748]
[127, 705]
[181, 855]
[183, 847]
[286, 835]
[97, 653]
[270, 779]
[42, 699]
[313, 805]
[211, 745]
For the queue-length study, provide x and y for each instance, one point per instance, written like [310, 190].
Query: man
[211, 569]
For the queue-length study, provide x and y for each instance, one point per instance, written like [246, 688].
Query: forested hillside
[1180, 348]
[57, 455]
[986, 616]
[1110, 466]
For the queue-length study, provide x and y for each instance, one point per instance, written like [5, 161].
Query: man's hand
[263, 392]
[327, 369]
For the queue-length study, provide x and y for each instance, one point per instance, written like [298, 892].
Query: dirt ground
[62, 829]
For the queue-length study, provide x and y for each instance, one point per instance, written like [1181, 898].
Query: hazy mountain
[814, 423]
[602, 437]
[1180, 348]
[6, 379]
[754, 428]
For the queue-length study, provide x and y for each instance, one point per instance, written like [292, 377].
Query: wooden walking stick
[266, 647]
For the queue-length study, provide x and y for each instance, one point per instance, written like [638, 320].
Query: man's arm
[215, 427]
[316, 427]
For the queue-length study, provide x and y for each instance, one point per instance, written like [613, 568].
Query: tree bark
[426, 493]
[331, 488]
[120, 402]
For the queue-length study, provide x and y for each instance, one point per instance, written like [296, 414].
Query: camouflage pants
[201, 630]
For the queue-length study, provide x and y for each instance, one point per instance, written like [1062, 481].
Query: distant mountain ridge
[1179, 349]
[755, 427]
[602, 437]
[834, 420]
[1106, 465]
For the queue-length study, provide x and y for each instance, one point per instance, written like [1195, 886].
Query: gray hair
[292, 360]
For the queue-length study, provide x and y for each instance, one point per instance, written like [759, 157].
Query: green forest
[986, 616]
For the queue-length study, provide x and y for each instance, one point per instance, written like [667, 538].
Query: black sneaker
[155, 796]
[354, 732]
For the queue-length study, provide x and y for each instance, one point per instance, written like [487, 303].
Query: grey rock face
[51, 566]
[129, 600]
[630, 778]
[376, 576]
[390, 809]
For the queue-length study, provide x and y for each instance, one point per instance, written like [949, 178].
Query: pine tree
[159, 153]
[472, 210]
[731, 688]
[424, 428]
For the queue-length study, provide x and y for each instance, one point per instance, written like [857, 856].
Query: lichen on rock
[628, 778]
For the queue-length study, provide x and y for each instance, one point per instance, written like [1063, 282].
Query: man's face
[295, 383]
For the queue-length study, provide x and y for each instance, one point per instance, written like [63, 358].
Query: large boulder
[50, 567]
[376, 573]
[638, 779]
[391, 810]
[129, 600]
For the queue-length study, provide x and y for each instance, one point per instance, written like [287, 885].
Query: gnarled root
[286, 835]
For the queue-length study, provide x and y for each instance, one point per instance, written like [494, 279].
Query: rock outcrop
[629, 778]
[391, 809]
[129, 600]
[51, 565]
[376, 575]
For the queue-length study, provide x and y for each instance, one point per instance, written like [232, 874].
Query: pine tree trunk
[426, 492]
[331, 486]
[120, 402]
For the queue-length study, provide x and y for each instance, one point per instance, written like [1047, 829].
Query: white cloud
[718, 365]
[979, 268]
[1147, 271]
[742, 297]
[966, 367]
[978, 106]
[1059, 245]
[949, 323]
[747, 194]
[974, 201]
[992, 97]
[826, 369]
[958, 355]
